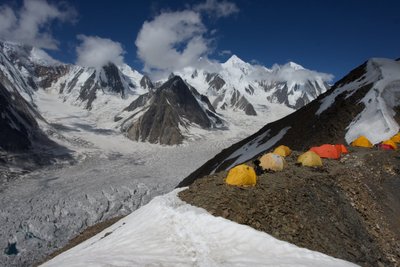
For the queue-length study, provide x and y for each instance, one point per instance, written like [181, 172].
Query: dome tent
[282, 151]
[310, 159]
[327, 151]
[388, 145]
[396, 138]
[362, 141]
[241, 175]
[273, 162]
[342, 148]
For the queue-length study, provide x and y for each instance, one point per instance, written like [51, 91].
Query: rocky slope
[365, 102]
[19, 128]
[163, 115]
[348, 209]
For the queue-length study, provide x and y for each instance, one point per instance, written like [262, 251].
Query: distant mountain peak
[294, 65]
[166, 113]
[235, 60]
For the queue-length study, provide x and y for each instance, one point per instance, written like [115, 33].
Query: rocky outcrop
[166, 112]
[215, 81]
[146, 83]
[17, 124]
[308, 92]
[113, 79]
[237, 102]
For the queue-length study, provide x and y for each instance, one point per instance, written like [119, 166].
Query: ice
[169, 232]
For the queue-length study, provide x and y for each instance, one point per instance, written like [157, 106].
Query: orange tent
[327, 151]
[342, 149]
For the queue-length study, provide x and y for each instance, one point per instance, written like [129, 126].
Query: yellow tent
[241, 175]
[272, 162]
[390, 143]
[282, 151]
[396, 138]
[310, 159]
[362, 141]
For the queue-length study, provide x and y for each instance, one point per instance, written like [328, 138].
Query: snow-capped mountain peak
[294, 66]
[235, 60]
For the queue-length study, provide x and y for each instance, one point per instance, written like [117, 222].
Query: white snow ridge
[169, 232]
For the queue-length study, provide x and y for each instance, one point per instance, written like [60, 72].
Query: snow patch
[377, 121]
[169, 232]
[255, 147]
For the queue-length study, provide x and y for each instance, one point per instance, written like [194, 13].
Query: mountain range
[124, 99]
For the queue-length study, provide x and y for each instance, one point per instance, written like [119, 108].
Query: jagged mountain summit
[164, 115]
[76, 84]
[364, 102]
[111, 92]
[239, 85]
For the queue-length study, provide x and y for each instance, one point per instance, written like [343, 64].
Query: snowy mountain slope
[238, 85]
[108, 90]
[77, 85]
[365, 102]
[169, 232]
[164, 115]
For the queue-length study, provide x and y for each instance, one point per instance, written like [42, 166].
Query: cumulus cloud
[97, 52]
[174, 40]
[217, 8]
[30, 24]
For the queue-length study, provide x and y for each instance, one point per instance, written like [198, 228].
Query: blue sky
[327, 36]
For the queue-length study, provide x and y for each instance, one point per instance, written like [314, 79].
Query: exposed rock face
[309, 91]
[48, 75]
[240, 102]
[215, 81]
[113, 79]
[16, 121]
[237, 101]
[146, 83]
[171, 107]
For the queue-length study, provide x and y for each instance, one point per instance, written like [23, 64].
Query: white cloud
[30, 24]
[172, 41]
[297, 73]
[288, 72]
[225, 53]
[217, 8]
[97, 52]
